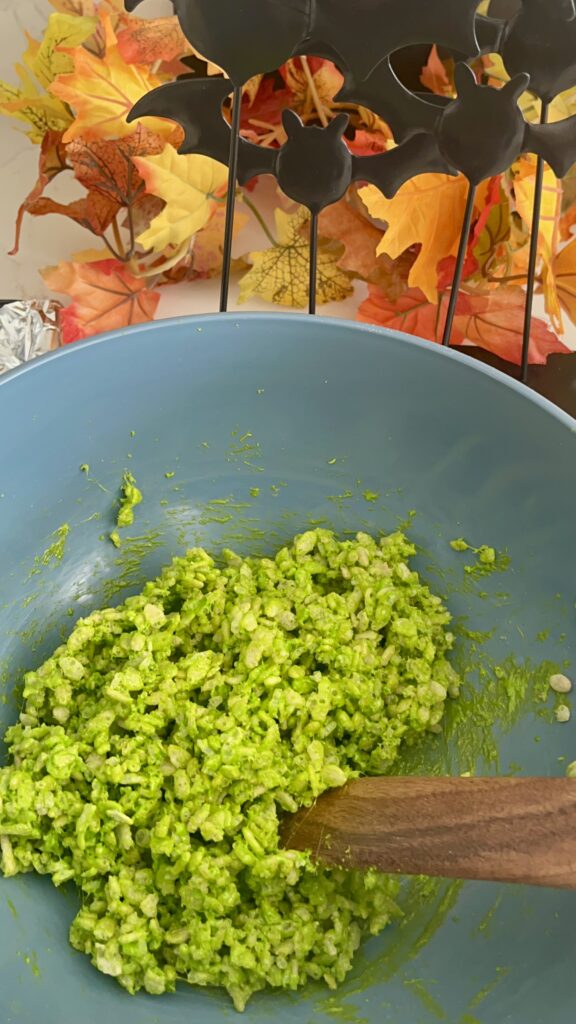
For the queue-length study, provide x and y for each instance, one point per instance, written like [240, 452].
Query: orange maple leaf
[434, 75]
[102, 91]
[491, 320]
[428, 210]
[341, 222]
[106, 297]
[143, 41]
[410, 312]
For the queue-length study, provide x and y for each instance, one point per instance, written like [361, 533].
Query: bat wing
[489, 32]
[556, 143]
[196, 104]
[383, 93]
[388, 171]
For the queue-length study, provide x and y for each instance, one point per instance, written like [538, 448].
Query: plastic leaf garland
[156, 218]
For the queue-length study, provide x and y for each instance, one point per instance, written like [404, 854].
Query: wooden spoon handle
[495, 829]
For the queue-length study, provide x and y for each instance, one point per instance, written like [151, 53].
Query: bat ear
[291, 122]
[464, 79]
[517, 85]
[338, 125]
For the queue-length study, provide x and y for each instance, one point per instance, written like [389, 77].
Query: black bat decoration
[244, 37]
[256, 36]
[386, 26]
[480, 133]
[314, 167]
[540, 40]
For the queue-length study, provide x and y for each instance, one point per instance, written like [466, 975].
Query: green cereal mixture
[157, 748]
[131, 497]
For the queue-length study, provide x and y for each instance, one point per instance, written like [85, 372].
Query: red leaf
[95, 212]
[447, 266]
[492, 320]
[106, 296]
[493, 198]
[495, 321]
[410, 312]
[145, 41]
[106, 165]
[266, 107]
[52, 162]
[367, 143]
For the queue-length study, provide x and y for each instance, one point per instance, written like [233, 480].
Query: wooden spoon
[495, 829]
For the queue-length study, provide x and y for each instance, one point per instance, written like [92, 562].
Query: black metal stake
[533, 258]
[459, 269]
[231, 197]
[313, 262]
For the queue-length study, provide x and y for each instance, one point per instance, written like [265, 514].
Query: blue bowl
[315, 413]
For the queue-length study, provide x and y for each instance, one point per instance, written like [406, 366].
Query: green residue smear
[488, 560]
[54, 553]
[483, 994]
[485, 923]
[31, 961]
[12, 909]
[417, 986]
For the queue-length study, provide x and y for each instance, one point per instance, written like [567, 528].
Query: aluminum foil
[27, 330]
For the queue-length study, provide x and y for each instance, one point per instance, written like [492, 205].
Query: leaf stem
[248, 202]
[118, 239]
[324, 120]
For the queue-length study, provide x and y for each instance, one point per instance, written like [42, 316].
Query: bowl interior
[330, 422]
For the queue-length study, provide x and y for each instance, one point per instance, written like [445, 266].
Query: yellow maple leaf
[429, 210]
[42, 61]
[47, 59]
[548, 234]
[102, 91]
[189, 185]
[562, 106]
[281, 274]
[563, 270]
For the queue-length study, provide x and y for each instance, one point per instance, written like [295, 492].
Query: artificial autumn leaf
[447, 269]
[492, 320]
[262, 117]
[106, 297]
[147, 41]
[42, 61]
[391, 276]
[312, 81]
[48, 59]
[52, 163]
[428, 210]
[341, 222]
[207, 252]
[94, 212]
[410, 312]
[281, 274]
[549, 226]
[492, 229]
[495, 322]
[107, 166]
[551, 209]
[434, 75]
[102, 92]
[189, 185]
[88, 8]
[564, 271]
[367, 143]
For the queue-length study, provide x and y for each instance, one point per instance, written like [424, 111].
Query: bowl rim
[324, 322]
